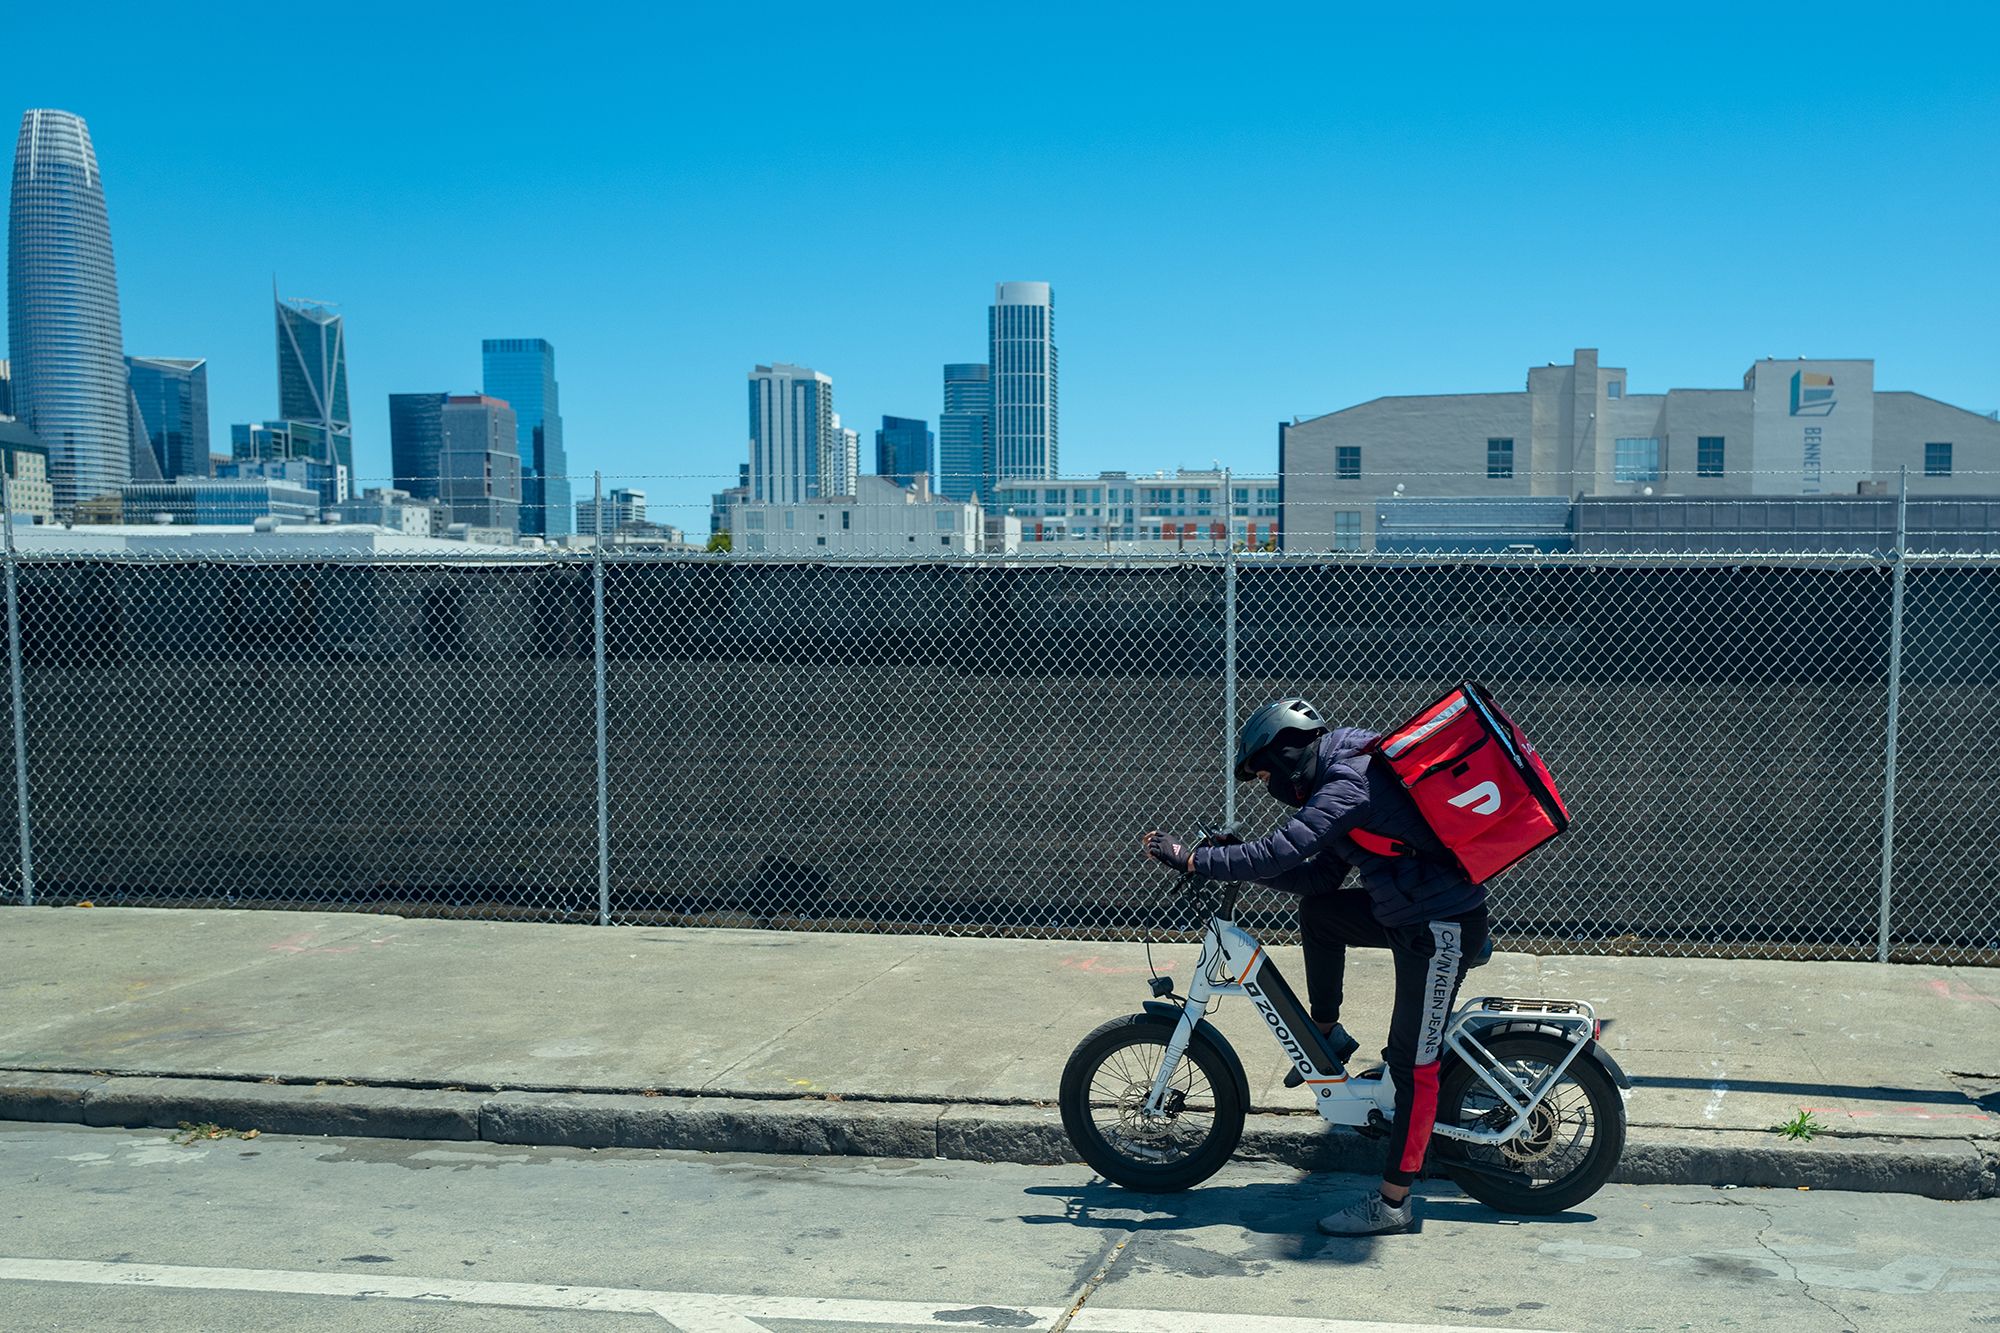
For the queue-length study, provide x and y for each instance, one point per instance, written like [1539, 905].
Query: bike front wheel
[1568, 1148]
[1104, 1090]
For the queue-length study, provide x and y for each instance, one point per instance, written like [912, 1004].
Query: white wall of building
[882, 520]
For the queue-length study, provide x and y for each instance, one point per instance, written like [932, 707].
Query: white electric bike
[1530, 1113]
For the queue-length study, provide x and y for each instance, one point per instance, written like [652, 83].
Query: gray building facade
[480, 462]
[1795, 428]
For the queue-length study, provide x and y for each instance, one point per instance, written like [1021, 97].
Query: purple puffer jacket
[1311, 852]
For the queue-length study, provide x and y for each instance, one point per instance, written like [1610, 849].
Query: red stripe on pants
[1423, 1114]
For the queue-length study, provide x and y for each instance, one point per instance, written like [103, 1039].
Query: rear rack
[1506, 1005]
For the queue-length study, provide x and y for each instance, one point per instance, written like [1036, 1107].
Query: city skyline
[1297, 246]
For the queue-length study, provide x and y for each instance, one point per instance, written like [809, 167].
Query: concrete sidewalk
[908, 1046]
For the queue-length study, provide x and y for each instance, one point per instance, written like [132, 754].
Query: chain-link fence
[972, 745]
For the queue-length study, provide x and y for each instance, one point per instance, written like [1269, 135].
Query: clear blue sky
[1245, 218]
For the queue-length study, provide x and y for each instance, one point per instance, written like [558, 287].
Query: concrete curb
[1031, 1135]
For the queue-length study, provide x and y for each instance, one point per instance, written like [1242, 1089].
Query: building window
[1614, 388]
[1636, 460]
[1347, 531]
[754, 520]
[820, 540]
[944, 523]
[1937, 460]
[790, 517]
[1708, 456]
[1347, 462]
[845, 515]
[1499, 460]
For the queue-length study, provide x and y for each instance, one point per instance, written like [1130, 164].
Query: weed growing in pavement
[205, 1130]
[1801, 1126]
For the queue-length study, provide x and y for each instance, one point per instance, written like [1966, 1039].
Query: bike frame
[1234, 963]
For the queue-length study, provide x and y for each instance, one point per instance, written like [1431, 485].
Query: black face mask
[1287, 767]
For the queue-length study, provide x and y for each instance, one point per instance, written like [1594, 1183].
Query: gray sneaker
[1371, 1215]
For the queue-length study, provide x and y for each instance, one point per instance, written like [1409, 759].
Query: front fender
[1171, 1014]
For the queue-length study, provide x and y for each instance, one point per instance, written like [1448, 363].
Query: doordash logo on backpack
[1481, 800]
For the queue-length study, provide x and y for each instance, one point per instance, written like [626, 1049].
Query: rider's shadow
[1287, 1213]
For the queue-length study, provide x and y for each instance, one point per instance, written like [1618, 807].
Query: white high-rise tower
[1021, 337]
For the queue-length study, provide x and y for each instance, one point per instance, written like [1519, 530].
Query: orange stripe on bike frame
[1423, 1115]
[1238, 981]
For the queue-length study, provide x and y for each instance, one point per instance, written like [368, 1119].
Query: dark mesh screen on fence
[974, 745]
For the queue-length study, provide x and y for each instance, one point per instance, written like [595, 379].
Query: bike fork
[1199, 992]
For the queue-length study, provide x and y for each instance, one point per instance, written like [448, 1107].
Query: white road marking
[692, 1312]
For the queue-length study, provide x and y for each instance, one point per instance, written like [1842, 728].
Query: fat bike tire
[1109, 1075]
[1569, 1147]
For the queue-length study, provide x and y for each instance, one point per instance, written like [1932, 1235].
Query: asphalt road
[126, 1229]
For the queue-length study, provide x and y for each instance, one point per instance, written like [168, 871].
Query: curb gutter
[1030, 1135]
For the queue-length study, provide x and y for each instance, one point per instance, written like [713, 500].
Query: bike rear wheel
[1568, 1148]
[1104, 1089]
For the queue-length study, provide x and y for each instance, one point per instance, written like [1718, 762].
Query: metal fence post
[597, 657]
[1898, 564]
[1228, 653]
[14, 676]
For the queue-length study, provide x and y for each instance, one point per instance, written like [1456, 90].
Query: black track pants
[1430, 959]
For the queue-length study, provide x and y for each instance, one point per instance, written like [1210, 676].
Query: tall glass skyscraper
[172, 394]
[1021, 337]
[522, 371]
[416, 443]
[965, 432]
[793, 453]
[903, 449]
[312, 375]
[63, 333]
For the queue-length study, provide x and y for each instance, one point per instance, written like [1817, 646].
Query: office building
[171, 394]
[1021, 341]
[904, 447]
[312, 375]
[881, 520]
[723, 501]
[792, 445]
[623, 508]
[303, 443]
[416, 442]
[64, 340]
[388, 508]
[522, 373]
[480, 463]
[26, 459]
[843, 460]
[224, 500]
[965, 432]
[1798, 428]
[1193, 506]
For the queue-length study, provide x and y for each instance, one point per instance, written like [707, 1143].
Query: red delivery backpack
[1477, 782]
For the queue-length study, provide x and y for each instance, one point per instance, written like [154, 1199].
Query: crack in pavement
[1093, 1282]
[777, 1037]
[1805, 1287]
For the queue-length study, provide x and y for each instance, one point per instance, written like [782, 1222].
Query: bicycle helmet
[1287, 724]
